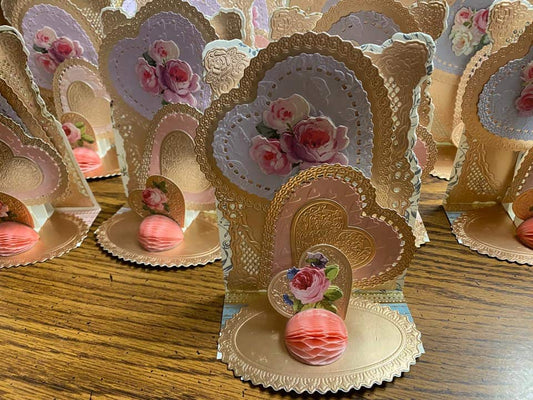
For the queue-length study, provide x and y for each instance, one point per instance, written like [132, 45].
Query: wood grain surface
[87, 326]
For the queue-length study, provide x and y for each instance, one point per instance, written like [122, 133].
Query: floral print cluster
[524, 102]
[289, 138]
[469, 31]
[53, 50]
[76, 135]
[311, 285]
[162, 73]
[155, 199]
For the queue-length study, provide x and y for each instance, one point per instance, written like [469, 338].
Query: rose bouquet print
[51, 50]
[311, 286]
[162, 73]
[469, 31]
[290, 140]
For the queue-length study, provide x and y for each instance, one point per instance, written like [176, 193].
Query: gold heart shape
[173, 206]
[18, 174]
[335, 205]
[325, 221]
[279, 285]
[178, 161]
[81, 99]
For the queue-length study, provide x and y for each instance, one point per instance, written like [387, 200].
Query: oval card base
[381, 345]
[61, 233]
[490, 231]
[118, 236]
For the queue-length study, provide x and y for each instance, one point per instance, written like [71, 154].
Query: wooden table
[86, 326]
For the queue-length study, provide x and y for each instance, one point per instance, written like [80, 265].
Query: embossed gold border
[393, 9]
[368, 208]
[474, 86]
[385, 371]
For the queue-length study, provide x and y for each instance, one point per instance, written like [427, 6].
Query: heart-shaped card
[30, 169]
[169, 151]
[167, 36]
[53, 32]
[320, 80]
[335, 205]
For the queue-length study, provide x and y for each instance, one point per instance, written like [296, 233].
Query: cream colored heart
[178, 162]
[81, 99]
[18, 174]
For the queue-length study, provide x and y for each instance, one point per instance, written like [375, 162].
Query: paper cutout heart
[161, 196]
[12, 209]
[335, 205]
[178, 162]
[30, 169]
[279, 285]
[82, 100]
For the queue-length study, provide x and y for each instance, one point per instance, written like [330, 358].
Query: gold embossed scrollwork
[431, 16]
[392, 63]
[248, 210]
[508, 21]
[389, 8]
[224, 68]
[286, 21]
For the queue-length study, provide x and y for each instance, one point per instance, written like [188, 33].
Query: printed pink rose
[72, 132]
[44, 37]
[524, 103]
[154, 198]
[315, 141]
[147, 77]
[46, 62]
[283, 113]
[481, 19]
[463, 15]
[178, 82]
[64, 48]
[4, 209]
[268, 155]
[309, 285]
[527, 73]
[163, 50]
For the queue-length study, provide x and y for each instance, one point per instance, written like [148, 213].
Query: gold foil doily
[60, 234]
[118, 236]
[490, 231]
[381, 345]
